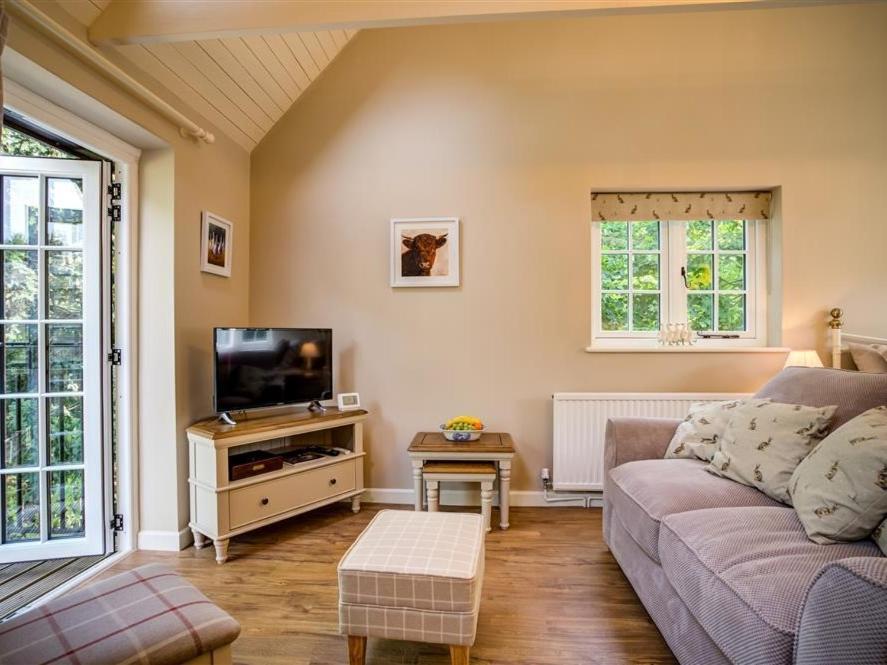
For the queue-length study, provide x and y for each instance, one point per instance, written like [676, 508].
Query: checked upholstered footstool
[413, 576]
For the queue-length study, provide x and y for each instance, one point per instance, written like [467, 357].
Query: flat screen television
[263, 367]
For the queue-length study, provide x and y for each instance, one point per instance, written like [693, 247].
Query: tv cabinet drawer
[263, 500]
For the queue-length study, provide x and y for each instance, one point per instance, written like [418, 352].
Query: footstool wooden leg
[432, 495]
[458, 654]
[486, 502]
[357, 650]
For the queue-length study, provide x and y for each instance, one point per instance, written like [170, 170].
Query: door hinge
[115, 357]
[115, 193]
[116, 522]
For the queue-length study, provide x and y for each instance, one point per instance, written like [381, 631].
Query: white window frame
[673, 298]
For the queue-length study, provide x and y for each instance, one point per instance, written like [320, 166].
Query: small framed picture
[348, 401]
[425, 251]
[216, 243]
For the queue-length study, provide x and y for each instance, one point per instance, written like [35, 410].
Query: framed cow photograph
[216, 239]
[425, 251]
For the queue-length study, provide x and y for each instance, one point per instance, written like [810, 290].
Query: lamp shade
[803, 358]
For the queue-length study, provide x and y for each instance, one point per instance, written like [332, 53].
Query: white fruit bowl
[461, 435]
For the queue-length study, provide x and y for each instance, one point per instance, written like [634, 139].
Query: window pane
[614, 235]
[18, 419]
[64, 212]
[66, 504]
[19, 358]
[21, 209]
[19, 284]
[699, 235]
[731, 313]
[65, 430]
[64, 284]
[731, 272]
[21, 507]
[731, 234]
[64, 353]
[645, 235]
[614, 271]
[645, 313]
[614, 311]
[699, 272]
[645, 272]
[700, 308]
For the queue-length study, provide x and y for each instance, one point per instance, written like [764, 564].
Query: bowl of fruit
[462, 428]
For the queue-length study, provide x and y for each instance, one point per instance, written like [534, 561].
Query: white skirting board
[165, 541]
[461, 497]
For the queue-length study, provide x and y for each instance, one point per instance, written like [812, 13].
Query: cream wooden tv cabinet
[222, 508]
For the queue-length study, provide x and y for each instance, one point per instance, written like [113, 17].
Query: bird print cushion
[880, 536]
[697, 436]
[764, 442]
[840, 490]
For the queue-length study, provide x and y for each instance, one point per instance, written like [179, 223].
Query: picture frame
[348, 401]
[425, 251]
[216, 244]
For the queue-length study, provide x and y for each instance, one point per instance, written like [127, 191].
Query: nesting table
[495, 447]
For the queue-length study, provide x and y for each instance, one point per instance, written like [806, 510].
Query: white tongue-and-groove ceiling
[243, 85]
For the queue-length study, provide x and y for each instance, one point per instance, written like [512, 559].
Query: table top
[499, 443]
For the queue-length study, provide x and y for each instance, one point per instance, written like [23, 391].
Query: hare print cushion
[840, 490]
[880, 536]
[697, 436]
[764, 442]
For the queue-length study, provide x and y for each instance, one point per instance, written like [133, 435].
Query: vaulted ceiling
[242, 64]
[242, 84]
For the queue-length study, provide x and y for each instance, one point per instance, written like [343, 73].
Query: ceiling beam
[155, 21]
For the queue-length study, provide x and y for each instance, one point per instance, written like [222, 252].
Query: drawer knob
[332, 481]
[264, 500]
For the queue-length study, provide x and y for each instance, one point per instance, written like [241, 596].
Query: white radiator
[581, 418]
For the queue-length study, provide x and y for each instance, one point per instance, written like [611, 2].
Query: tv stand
[222, 508]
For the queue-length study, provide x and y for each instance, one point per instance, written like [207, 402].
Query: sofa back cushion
[852, 392]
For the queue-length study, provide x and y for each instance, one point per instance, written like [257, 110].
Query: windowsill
[687, 349]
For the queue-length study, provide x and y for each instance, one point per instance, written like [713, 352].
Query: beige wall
[179, 305]
[509, 126]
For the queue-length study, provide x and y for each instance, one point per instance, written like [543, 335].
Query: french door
[52, 465]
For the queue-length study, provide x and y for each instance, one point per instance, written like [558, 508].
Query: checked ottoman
[413, 576]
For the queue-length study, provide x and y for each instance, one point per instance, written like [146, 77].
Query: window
[707, 273]
[648, 274]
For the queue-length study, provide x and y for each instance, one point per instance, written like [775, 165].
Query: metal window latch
[684, 275]
[115, 357]
[116, 523]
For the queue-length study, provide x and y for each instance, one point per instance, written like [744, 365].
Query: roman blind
[679, 206]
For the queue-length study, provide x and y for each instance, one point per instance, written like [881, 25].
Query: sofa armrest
[631, 439]
[844, 615]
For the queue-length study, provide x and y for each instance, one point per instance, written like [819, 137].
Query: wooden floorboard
[552, 595]
[23, 583]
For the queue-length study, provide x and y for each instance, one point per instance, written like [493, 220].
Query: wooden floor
[552, 595]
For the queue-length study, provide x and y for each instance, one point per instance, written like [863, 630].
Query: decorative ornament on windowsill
[676, 334]
[803, 358]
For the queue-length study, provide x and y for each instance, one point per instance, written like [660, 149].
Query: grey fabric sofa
[728, 574]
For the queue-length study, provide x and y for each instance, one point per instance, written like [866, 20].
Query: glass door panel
[51, 476]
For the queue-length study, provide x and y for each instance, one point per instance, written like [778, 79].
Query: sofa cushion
[642, 493]
[697, 437]
[852, 392]
[743, 573]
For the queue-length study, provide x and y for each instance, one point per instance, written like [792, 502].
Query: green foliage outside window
[13, 142]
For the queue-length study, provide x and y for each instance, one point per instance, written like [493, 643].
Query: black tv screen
[260, 367]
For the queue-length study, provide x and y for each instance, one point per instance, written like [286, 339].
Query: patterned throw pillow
[840, 490]
[697, 436]
[880, 536]
[764, 442]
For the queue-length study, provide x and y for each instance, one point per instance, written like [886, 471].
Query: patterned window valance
[681, 206]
